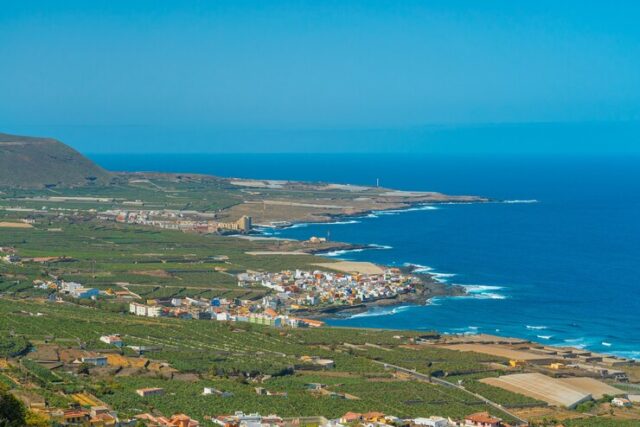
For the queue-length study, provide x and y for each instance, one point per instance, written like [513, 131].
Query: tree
[33, 419]
[12, 412]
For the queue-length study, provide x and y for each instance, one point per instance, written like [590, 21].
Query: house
[621, 402]
[153, 391]
[84, 293]
[94, 359]
[374, 417]
[145, 310]
[101, 416]
[178, 420]
[113, 340]
[213, 391]
[482, 419]
[431, 422]
[351, 417]
[224, 316]
[71, 416]
[182, 420]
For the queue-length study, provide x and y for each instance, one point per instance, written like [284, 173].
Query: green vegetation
[154, 263]
[235, 358]
[27, 162]
[12, 412]
[11, 346]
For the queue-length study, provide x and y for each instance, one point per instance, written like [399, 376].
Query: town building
[153, 391]
[112, 340]
[482, 419]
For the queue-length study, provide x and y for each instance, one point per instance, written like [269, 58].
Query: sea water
[555, 259]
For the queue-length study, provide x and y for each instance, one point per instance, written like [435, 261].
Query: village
[290, 292]
[201, 222]
[314, 288]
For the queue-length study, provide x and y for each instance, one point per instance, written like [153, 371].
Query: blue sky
[212, 68]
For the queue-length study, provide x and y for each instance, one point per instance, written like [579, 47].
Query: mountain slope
[31, 162]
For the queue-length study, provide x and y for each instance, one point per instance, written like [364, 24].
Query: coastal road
[424, 377]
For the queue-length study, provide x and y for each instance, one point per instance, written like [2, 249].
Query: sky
[238, 75]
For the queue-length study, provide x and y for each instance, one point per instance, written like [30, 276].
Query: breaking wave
[340, 252]
[382, 312]
[520, 201]
[484, 291]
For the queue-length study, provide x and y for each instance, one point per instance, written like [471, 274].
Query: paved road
[442, 382]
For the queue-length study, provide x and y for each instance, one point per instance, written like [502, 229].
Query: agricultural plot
[236, 358]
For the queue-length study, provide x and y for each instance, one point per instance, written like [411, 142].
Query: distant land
[31, 162]
[34, 163]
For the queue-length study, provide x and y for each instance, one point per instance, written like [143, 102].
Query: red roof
[482, 417]
[351, 416]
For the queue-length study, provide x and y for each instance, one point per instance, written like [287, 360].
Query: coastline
[435, 288]
[404, 206]
[430, 287]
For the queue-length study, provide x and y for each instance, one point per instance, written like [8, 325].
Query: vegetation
[235, 358]
[27, 162]
[12, 412]
[11, 346]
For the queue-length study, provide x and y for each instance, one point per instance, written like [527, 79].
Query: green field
[230, 356]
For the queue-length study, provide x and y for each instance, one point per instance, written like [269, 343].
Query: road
[424, 377]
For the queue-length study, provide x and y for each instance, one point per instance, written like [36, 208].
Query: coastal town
[192, 221]
[291, 292]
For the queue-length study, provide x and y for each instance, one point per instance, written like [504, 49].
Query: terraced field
[236, 358]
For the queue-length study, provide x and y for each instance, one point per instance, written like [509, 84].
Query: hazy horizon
[575, 139]
[273, 76]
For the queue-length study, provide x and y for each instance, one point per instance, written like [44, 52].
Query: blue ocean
[555, 259]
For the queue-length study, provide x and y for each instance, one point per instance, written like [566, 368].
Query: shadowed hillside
[31, 162]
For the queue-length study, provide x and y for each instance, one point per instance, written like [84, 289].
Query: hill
[32, 162]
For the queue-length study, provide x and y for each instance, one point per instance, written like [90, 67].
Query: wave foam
[484, 291]
[545, 337]
[517, 201]
[377, 246]
[425, 269]
[340, 252]
[536, 328]
[382, 312]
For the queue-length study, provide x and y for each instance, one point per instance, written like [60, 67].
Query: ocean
[555, 259]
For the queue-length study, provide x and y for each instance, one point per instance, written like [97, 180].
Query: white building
[620, 402]
[145, 310]
[431, 422]
[112, 340]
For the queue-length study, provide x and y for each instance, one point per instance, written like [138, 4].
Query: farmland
[236, 358]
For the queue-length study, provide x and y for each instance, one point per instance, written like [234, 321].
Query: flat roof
[597, 389]
[541, 387]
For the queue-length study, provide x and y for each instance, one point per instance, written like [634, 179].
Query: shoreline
[430, 286]
[405, 206]
[421, 298]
